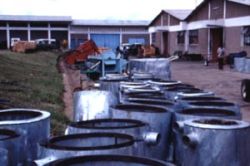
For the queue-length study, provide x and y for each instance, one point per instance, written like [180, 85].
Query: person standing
[221, 54]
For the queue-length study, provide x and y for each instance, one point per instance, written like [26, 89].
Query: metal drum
[148, 65]
[11, 142]
[190, 114]
[239, 64]
[141, 76]
[200, 98]
[86, 107]
[108, 160]
[111, 83]
[216, 142]
[4, 157]
[172, 93]
[33, 126]
[138, 129]
[161, 103]
[159, 120]
[87, 144]
[214, 105]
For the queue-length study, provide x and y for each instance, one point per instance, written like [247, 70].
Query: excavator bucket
[81, 53]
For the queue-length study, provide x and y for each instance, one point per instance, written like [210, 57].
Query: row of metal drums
[189, 126]
[139, 122]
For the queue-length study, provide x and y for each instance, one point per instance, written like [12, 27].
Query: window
[193, 37]
[181, 37]
[246, 32]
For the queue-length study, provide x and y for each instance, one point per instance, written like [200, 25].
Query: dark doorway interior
[216, 41]
[165, 43]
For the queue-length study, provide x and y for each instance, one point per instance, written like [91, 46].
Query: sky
[94, 9]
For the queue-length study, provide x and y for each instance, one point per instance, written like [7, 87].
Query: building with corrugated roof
[106, 33]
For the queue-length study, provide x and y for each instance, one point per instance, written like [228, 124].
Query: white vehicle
[14, 40]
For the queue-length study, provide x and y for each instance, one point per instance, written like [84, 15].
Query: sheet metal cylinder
[138, 129]
[191, 114]
[160, 71]
[213, 104]
[86, 144]
[86, 107]
[32, 125]
[4, 157]
[11, 142]
[247, 65]
[159, 120]
[171, 93]
[112, 84]
[108, 160]
[239, 64]
[216, 142]
[170, 105]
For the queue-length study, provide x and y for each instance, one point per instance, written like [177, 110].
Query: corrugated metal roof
[180, 14]
[111, 22]
[244, 2]
[35, 18]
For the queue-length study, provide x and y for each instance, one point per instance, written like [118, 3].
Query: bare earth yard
[224, 83]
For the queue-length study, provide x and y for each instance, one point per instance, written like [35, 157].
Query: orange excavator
[81, 53]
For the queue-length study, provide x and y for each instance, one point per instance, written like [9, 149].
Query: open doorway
[216, 41]
[165, 43]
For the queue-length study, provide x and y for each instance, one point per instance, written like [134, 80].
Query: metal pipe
[151, 138]
[191, 139]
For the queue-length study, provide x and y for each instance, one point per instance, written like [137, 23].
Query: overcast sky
[94, 9]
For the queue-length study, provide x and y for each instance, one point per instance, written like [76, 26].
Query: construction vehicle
[81, 53]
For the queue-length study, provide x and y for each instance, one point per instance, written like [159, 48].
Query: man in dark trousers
[221, 54]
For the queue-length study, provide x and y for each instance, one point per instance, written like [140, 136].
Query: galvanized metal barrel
[191, 114]
[87, 144]
[172, 93]
[216, 142]
[127, 126]
[138, 129]
[213, 104]
[4, 159]
[11, 142]
[141, 76]
[200, 98]
[108, 160]
[159, 120]
[33, 126]
[112, 84]
[86, 107]
[170, 105]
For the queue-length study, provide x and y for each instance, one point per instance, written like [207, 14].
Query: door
[106, 40]
[216, 41]
[165, 43]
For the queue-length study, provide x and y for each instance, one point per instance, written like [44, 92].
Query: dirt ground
[224, 83]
